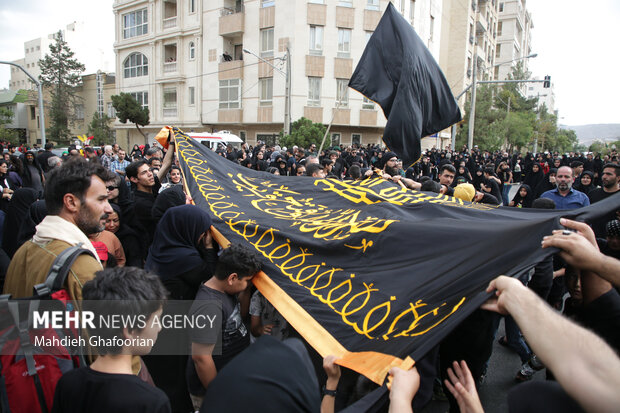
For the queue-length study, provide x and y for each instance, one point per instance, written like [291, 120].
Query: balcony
[170, 67]
[170, 14]
[170, 22]
[481, 24]
[231, 21]
[232, 69]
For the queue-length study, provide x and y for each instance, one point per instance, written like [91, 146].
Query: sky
[576, 43]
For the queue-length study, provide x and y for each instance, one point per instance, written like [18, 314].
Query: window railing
[170, 22]
[226, 11]
[170, 67]
[170, 112]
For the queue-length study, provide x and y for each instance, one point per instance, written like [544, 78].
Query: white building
[544, 95]
[74, 35]
[185, 61]
[514, 38]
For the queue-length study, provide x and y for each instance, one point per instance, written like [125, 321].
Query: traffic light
[547, 82]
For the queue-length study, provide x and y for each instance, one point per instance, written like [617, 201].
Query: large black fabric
[377, 266]
[175, 249]
[398, 72]
[27, 228]
[269, 376]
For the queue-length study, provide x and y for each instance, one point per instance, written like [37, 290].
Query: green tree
[100, 130]
[128, 109]
[6, 134]
[303, 133]
[60, 74]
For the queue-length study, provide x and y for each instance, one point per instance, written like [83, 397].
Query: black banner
[398, 72]
[381, 268]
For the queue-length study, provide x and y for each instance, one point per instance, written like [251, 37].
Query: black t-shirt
[87, 390]
[234, 334]
[599, 194]
[598, 224]
[143, 205]
[603, 317]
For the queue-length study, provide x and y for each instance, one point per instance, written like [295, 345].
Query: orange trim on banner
[371, 364]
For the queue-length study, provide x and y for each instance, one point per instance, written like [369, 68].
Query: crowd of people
[149, 243]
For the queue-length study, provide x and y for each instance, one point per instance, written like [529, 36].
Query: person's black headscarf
[168, 198]
[175, 247]
[534, 178]
[36, 213]
[271, 375]
[527, 201]
[585, 188]
[16, 210]
[545, 185]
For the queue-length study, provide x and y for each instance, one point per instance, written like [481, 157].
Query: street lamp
[472, 112]
[41, 112]
[287, 92]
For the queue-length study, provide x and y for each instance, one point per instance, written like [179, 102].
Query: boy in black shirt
[109, 385]
[229, 286]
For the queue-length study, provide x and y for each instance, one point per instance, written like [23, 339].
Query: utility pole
[287, 97]
[40, 90]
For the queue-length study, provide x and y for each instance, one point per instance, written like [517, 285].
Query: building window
[135, 24]
[170, 101]
[367, 103]
[498, 50]
[136, 65]
[265, 88]
[267, 3]
[501, 7]
[372, 5]
[230, 94]
[192, 6]
[356, 139]
[411, 11]
[33, 113]
[38, 47]
[317, 1]
[192, 51]
[142, 98]
[344, 42]
[335, 139]
[342, 92]
[432, 27]
[316, 40]
[111, 110]
[79, 112]
[367, 36]
[345, 3]
[314, 91]
[192, 95]
[266, 42]
[499, 28]
[402, 7]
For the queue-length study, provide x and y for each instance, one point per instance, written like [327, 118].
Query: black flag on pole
[398, 72]
[367, 270]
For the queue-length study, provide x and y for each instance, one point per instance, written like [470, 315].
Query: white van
[211, 140]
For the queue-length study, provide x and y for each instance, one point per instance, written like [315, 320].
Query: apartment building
[469, 31]
[95, 96]
[36, 49]
[545, 96]
[514, 38]
[221, 65]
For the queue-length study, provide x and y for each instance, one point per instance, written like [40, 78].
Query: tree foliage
[60, 74]
[6, 134]
[100, 130]
[506, 119]
[304, 132]
[128, 109]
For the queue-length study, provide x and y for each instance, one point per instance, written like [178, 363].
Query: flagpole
[330, 124]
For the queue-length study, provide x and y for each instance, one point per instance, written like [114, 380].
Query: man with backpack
[77, 200]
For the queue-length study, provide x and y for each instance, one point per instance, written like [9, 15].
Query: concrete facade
[514, 38]
[199, 78]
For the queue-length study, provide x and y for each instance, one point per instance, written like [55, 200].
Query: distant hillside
[590, 133]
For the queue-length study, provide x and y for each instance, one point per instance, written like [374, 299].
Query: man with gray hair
[107, 157]
[53, 162]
